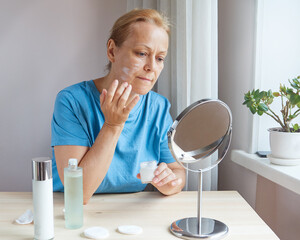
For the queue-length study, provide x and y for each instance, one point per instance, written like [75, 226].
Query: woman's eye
[142, 54]
[160, 59]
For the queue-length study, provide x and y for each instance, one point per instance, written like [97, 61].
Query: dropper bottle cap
[73, 163]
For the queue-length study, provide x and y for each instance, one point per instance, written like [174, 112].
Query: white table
[150, 210]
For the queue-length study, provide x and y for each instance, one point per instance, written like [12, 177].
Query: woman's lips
[145, 79]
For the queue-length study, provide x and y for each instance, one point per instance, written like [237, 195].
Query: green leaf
[259, 112]
[263, 107]
[270, 100]
[282, 88]
[276, 94]
[244, 103]
[261, 94]
[295, 83]
[296, 126]
[253, 109]
[294, 99]
[256, 94]
[269, 94]
[247, 95]
[289, 91]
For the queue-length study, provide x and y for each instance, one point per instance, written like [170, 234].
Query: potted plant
[284, 140]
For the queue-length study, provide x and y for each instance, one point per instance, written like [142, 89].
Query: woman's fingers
[119, 93]
[167, 179]
[164, 175]
[176, 182]
[161, 167]
[102, 96]
[111, 91]
[123, 97]
[115, 104]
[131, 104]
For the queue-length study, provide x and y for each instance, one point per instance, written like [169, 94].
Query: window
[277, 56]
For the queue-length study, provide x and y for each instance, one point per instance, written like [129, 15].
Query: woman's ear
[111, 49]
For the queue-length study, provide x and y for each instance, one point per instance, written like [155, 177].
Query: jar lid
[41, 168]
[151, 164]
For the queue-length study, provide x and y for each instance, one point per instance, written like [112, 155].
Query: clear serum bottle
[73, 195]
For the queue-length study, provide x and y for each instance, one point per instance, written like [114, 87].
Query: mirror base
[187, 228]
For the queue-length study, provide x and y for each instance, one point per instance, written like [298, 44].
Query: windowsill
[286, 176]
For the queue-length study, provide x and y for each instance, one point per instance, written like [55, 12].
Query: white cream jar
[147, 171]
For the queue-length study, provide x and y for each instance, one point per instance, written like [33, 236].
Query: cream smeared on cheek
[135, 67]
[128, 71]
[125, 70]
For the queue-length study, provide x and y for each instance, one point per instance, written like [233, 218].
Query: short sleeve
[165, 154]
[66, 128]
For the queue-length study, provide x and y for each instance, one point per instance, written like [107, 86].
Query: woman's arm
[96, 160]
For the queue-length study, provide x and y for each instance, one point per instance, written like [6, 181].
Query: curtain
[191, 67]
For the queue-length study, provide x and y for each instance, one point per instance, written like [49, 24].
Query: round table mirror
[203, 128]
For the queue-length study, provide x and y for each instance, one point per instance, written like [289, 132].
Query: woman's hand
[169, 178]
[165, 176]
[115, 103]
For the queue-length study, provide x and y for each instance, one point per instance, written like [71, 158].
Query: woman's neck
[103, 82]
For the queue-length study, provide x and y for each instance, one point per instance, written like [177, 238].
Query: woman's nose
[150, 65]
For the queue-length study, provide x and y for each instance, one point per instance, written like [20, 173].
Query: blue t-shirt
[77, 120]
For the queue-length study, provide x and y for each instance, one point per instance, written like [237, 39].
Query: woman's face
[140, 59]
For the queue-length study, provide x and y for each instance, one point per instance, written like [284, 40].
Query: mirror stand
[203, 128]
[198, 227]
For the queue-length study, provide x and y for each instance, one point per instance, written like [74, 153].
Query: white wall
[45, 46]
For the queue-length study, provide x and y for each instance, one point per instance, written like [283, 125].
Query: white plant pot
[284, 145]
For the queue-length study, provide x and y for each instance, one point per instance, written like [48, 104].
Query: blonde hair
[122, 27]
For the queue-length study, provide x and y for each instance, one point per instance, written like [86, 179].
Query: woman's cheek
[128, 72]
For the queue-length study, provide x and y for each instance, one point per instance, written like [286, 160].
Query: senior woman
[113, 123]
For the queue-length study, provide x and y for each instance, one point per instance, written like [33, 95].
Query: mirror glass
[200, 130]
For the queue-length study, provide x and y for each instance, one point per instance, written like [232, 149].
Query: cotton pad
[96, 233]
[25, 218]
[130, 229]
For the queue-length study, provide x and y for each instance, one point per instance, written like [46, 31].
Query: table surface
[150, 210]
